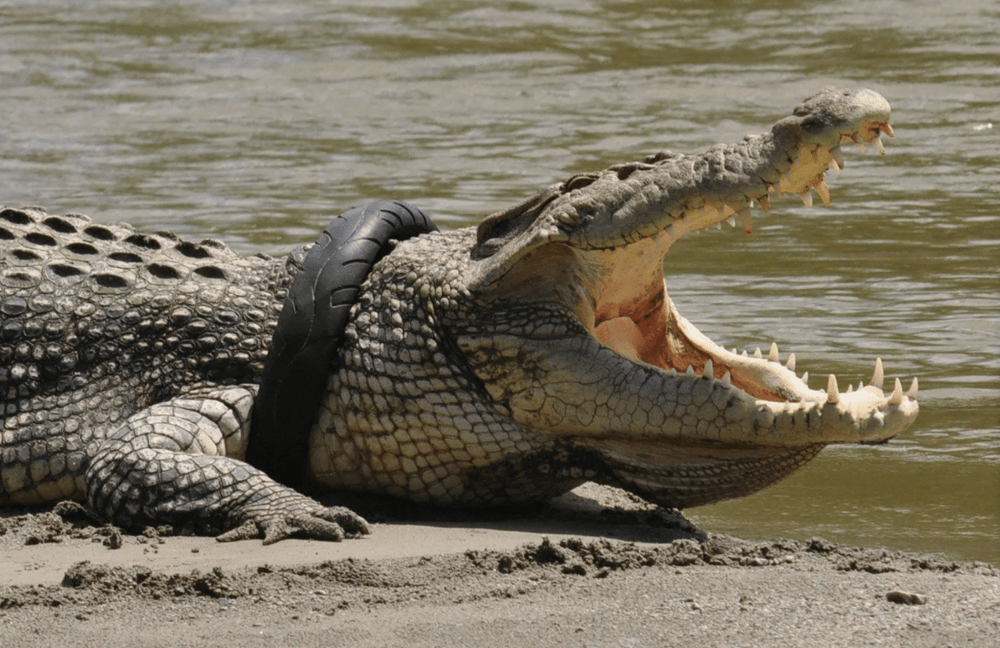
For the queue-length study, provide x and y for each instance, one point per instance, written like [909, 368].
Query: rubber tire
[311, 328]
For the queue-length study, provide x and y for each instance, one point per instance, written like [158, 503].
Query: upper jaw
[667, 195]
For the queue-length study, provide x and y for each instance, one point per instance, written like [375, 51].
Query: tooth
[832, 392]
[731, 221]
[709, 370]
[897, 394]
[838, 157]
[860, 142]
[877, 143]
[823, 190]
[878, 375]
[717, 224]
[690, 371]
[744, 353]
[887, 129]
[670, 230]
[807, 198]
[727, 380]
[790, 365]
[772, 353]
[861, 385]
[912, 393]
[850, 388]
[757, 353]
[746, 220]
[765, 201]
[805, 377]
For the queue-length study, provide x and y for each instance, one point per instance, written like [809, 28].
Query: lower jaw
[696, 475]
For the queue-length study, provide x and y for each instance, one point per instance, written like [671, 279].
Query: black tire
[311, 327]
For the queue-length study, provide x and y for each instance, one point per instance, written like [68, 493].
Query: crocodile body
[492, 365]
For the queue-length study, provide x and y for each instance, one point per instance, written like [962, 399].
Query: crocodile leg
[174, 463]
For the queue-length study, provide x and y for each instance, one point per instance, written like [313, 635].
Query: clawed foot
[284, 514]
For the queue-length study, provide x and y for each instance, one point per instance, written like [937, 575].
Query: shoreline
[596, 567]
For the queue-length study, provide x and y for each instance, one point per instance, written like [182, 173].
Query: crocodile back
[98, 321]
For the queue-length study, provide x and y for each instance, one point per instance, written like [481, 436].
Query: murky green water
[258, 121]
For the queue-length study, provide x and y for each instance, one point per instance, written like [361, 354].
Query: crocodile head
[575, 335]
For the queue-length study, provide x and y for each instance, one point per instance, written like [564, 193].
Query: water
[257, 121]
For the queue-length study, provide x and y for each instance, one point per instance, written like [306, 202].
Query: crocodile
[492, 365]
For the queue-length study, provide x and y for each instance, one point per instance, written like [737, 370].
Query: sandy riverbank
[595, 568]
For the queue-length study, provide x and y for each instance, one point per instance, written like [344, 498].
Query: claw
[246, 531]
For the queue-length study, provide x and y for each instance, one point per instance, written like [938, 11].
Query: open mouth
[596, 243]
[584, 344]
[634, 316]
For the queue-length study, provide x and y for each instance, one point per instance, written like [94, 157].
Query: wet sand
[594, 568]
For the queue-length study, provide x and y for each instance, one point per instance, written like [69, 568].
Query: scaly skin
[501, 364]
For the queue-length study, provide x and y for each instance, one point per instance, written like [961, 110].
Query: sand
[594, 568]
